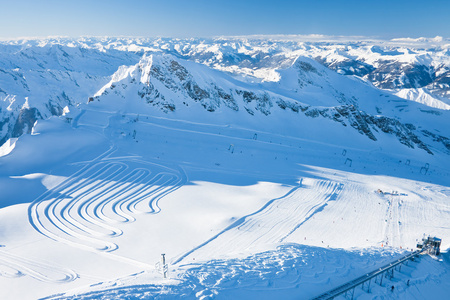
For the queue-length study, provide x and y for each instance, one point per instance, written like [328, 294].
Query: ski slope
[237, 215]
[83, 209]
[252, 188]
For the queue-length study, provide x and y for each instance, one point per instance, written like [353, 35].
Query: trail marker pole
[349, 162]
[231, 148]
[163, 265]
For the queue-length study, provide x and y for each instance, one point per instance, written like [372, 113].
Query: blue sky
[206, 18]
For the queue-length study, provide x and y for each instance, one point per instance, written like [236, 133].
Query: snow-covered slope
[305, 90]
[59, 72]
[47, 80]
[251, 188]
[423, 96]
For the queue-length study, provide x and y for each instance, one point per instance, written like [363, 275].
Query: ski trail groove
[19, 267]
[273, 223]
[87, 208]
[317, 208]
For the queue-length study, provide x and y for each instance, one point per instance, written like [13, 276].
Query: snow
[7, 147]
[273, 274]
[424, 97]
[244, 206]
[205, 216]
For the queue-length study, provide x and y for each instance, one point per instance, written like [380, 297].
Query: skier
[392, 288]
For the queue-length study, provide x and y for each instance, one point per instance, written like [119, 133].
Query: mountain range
[41, 78]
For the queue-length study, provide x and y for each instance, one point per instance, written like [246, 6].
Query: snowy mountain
[260, 167]
[56, 73]
[37, 82]
[304, 90]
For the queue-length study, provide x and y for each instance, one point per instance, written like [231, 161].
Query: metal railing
[351, 285]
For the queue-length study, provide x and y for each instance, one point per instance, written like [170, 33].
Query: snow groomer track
[86, 209]
[12, 266]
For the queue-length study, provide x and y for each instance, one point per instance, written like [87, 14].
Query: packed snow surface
[250, 188]
[267, 207]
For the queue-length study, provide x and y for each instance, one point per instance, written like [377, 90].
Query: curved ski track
[12, 266]
[85, 209]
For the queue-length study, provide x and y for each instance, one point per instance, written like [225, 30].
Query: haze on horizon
[201, 18]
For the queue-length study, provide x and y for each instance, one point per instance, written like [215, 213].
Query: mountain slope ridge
[170, 84]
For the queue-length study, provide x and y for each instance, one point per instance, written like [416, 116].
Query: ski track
[85, 209]
[392, 231]
[232, 134]
[12, 266]
[274, 222]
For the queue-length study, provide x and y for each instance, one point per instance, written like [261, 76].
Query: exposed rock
[25, 121]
